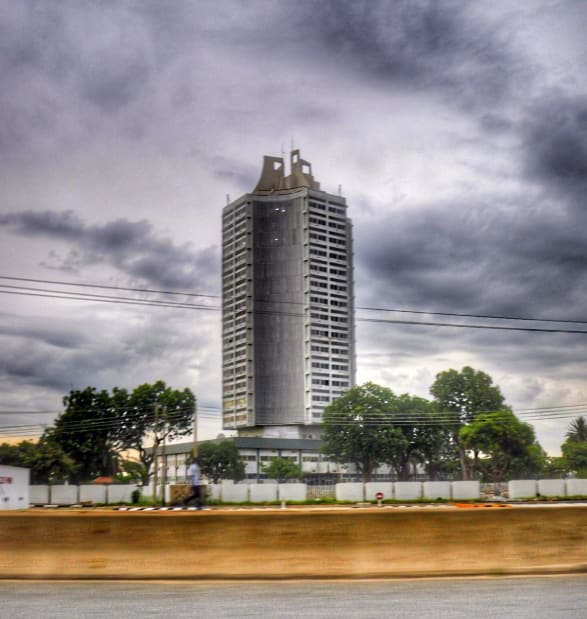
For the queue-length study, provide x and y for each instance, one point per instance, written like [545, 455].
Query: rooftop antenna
[340, 190]
[293, 147]
[227, 198]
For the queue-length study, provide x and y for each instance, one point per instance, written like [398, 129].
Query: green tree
[574, 449]
[506, 442]
[575, 455]
[409, 434]
[555, 467]
[283, 469]
[155, 412]
[435, 448]
[577, 432]
[86, 432]
[220, 460]
[11, 455]
[130, 471]
[49, 462]
[465, 394]
[355, 428]
[45, 459]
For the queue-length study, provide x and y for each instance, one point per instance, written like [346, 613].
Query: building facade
[288, 339]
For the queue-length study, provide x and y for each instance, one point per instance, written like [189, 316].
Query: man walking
[194, 478]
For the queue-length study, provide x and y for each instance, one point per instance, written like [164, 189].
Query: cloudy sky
[458, 131]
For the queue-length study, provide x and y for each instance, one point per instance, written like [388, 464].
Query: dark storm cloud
[50, 334]
[131, 247]
[556, 147]
[520, 261]
[106, 354]
[422, 44]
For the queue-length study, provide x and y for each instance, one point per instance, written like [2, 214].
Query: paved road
[549, 597]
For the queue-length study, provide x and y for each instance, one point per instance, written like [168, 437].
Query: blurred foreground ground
[536, 598]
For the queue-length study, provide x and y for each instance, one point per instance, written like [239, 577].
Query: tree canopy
[464, 395]
[220, 460]
[156, 412]
[505, 442]
[283, 469]
[45, 459]
[577, 432]
[97, 426]
[369, 426]
[354, 429]
[574, 448]
[87, 432]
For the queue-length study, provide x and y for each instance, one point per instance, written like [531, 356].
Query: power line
[61, 283]
[366, 308]
[192, 306]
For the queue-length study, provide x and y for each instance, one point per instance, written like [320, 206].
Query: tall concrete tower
[287, 303]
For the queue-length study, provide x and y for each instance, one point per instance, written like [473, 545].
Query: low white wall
[214, 492]
[465, 490]
[292, 492]
[94, 493]
[350, 492]
[436, 489]
[229, 492]
[521, 488]
[235, 493]
[39, 495]
[373, 487]
[260, 493]
[576, 487]
[64, 495]
[120, 493]
[407, 490]
[551, 487]
[14, 487]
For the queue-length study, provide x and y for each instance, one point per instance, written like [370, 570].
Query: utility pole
[155, 445]
[195, 447]
[164, 457]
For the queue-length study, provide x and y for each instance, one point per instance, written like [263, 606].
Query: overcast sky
[458, 131]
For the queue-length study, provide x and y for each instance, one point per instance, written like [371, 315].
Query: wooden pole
[155, 445]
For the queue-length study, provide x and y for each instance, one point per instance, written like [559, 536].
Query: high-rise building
[287, 300]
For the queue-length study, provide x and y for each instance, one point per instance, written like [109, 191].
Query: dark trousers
[196, 494]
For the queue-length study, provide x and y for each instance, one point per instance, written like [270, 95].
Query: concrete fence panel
[94, 493]
[466, 490]
[292, 492]
[373, 487]
[436, 490]
[214, 492]
[64, 495]
[522, 489]
[39, 495]
[407, 490]
[120, 493]
[261, 493]
[551, 487]
[235, 493]
[576, 487]
[350, 491]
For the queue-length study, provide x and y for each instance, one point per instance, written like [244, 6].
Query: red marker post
[379, 497]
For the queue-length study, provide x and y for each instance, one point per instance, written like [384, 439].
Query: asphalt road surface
[553, 597]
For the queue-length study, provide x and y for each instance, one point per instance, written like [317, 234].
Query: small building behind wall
[14, 487]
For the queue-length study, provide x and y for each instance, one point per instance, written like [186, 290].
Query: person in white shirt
[194, 479]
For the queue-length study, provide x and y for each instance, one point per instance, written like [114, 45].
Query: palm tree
[577, 432]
